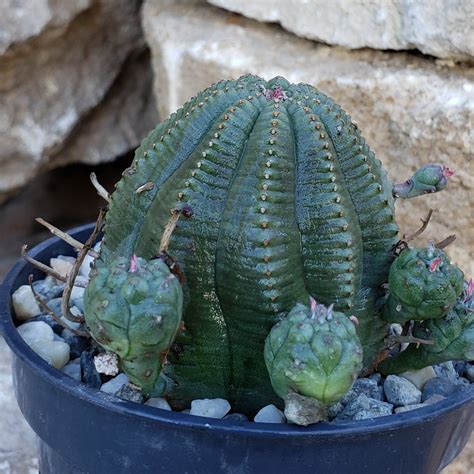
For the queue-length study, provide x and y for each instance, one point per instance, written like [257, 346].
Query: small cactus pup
[134, 308]
[429, 178]
[314, 352]
[450, 337]
[289, 201]
[423, 284]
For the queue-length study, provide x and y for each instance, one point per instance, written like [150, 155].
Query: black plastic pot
[83, 430]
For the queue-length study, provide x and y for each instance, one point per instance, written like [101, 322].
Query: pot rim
[62, 382]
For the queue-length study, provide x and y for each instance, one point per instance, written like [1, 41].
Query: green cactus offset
[452, 338]
[289, 203]
[134, 309]
[423, 285]
[314, 352]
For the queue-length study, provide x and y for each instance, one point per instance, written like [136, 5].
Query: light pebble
[269, 414]
[86, 266]
[88, 261]
[24, 303]
[158, 403]
[73, 369]
[81, 281]
[77, 293]
[115, 384]
[55, 353]
[62, 264]
[72, 324]
[36, 331]
[42, 286]
[446, 369]
[400, 391]
[363, 408]
[210, 407]
[107, 363]
[429, 401]
[419, 377]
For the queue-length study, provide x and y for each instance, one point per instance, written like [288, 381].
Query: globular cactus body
[134, 308]
[288, 201]
[423, 284]
[451, 337]
[314, 352]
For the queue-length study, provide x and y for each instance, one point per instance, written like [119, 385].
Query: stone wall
[441, 28]
[411, 108]
[75, 85]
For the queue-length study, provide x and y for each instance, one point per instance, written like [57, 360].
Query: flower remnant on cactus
[288, 202]
[314, 352]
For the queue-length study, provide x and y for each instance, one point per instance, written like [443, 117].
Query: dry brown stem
[445, 242]
[44, 268]
[45, 306]
[64, 236]
[417, 233]
[75, 270]
[169, 228]
[101, 191]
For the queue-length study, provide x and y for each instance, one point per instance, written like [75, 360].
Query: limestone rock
[107, 363]
[427, 25]
[411, 110]
[304, 411]
[22, 20]
[75, 85]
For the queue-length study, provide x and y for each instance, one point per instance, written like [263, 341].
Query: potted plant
[250, 260]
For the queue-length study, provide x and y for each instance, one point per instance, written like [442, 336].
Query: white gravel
[62, 264]
[115, 384]
[158, 403]
[269, 414]
[36, 331]
[210, 407]
[24, 303]
[55, 353]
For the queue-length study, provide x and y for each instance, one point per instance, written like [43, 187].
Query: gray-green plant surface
[289, 203]
[314, 352]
